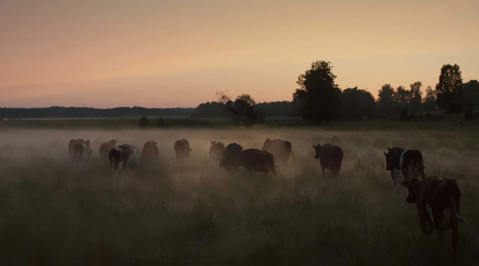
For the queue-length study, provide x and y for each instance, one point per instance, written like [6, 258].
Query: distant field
[197, 214]
[450, 123]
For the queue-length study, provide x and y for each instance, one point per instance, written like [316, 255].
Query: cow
[116, 159]
[437, 203]
[150, 152]
[232, 157]
[281, 149]
[79, 150]
[404, 164]
[182, 149]
[255, 160]
[105, 149]
[217, 151]
[330, 157]
[124, 156]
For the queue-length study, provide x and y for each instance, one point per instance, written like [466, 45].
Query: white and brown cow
[404, 164]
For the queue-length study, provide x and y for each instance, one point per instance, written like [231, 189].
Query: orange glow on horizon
[179, 53]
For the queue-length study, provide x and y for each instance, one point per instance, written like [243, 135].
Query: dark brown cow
[182, 149]
[404, 164]
[217, 151]
[330, 157]
[281, 149]
[255, 160]
[124, 156]
[437, 202]
[232, 157]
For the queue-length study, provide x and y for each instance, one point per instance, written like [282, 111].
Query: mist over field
[193, 212]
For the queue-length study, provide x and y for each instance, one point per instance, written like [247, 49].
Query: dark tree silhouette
[471, 91]
[356, 104]
[415, 100]
[448, 90]
[243, 110]
[429, 101]
[402, 97]
[317, 93]
[385, 102]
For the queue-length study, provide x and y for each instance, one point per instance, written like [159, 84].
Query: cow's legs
[455, 238]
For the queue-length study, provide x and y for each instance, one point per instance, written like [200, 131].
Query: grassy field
[194, 213]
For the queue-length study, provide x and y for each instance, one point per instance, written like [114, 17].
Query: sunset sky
[180, 53]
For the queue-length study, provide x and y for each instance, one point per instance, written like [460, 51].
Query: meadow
[194, 213]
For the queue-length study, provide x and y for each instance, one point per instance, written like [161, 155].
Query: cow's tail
[459, 218]
[420, 162]
[292, 156]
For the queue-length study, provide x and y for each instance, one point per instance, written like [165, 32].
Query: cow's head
[267, 144]
[413, 189]
[389, 159]
[217, 144]
[318, 150]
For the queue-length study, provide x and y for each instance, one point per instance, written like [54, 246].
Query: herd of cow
[437, 200]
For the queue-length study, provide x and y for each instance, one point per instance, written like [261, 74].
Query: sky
[178, 53]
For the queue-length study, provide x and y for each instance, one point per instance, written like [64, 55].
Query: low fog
[195, 212]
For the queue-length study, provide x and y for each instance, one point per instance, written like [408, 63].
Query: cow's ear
[385, 154]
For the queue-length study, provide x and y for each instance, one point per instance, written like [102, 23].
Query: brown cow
[79, 150]
[217, 151]
[150, 152]
[255, 160]
[232, 157]
[281, 149]
[437, 202]
[330, 157]
[182, 149]
[105, 148]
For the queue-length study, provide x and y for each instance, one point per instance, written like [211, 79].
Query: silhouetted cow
[150, 152]
[79, 150]
[232, 157]
[217, 151]
[437, 202]
[330, 157]
[255, 160]
[105, 149]
[123, 156]
[404, 164]
[281, 149]
[116, 159]
[182, 149]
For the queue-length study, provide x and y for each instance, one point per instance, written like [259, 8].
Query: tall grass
[194, 213]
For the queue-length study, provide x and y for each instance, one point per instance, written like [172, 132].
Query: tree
[356, 104]
[429, 101]
[448, 90]
[386, 100]
[317, 93]
[402, 97]
[243, 110]
[415, 100]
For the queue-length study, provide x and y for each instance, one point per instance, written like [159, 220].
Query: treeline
[88, 112]
[318, 98]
